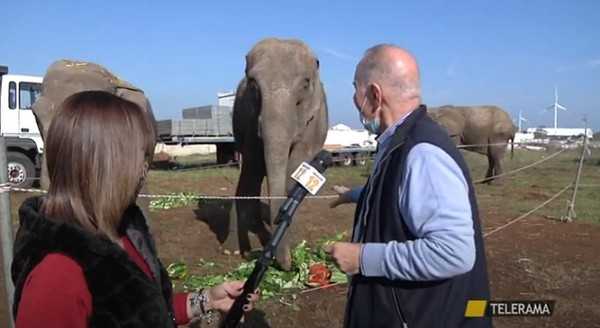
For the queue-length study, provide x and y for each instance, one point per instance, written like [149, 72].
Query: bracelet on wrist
[199, 306]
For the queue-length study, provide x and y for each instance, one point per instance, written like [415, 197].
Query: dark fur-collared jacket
[122, 294]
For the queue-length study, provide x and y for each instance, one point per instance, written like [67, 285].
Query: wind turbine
[521, 119]
[556, 106]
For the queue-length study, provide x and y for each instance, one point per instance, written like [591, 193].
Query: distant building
[560, 133]
[521, 137]
[226, 99]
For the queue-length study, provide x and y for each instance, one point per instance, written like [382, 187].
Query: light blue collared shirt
[434, 202]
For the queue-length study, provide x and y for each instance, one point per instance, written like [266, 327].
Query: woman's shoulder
[53, 262]
[55, 291]
[59, 270]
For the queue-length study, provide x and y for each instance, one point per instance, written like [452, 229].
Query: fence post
[6, 232]
[571, 207]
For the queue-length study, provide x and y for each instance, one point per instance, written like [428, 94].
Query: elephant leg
[490, 170]
[245, 214]
[487, 151]
[495, 154]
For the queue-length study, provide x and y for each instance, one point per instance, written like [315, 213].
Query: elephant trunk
[277, 133]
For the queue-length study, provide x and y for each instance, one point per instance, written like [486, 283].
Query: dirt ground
[534, 259]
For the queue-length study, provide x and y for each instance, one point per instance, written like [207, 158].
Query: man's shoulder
[426, 130]
[429, 155]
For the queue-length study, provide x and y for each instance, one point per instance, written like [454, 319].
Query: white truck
[19, 128]
[350, 146]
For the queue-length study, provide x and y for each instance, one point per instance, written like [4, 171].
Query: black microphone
[307, 180]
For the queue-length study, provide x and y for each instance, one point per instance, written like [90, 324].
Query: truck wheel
[347, 160]
[360, 160]
[21, 171]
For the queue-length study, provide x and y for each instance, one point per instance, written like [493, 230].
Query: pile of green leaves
[276, 281]
[177, 200]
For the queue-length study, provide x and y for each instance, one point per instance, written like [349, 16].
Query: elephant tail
[512, 147]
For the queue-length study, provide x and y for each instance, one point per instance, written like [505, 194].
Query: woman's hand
[221, 297]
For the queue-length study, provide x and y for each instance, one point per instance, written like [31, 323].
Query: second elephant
[482, 129]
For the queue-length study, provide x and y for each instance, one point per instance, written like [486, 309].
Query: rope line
[521, 168]
[521, 217]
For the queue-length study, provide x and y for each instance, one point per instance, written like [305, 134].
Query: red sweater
[55, 293]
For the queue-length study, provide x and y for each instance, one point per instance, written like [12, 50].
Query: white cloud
[594, 63]
[590, 64]
[562, 69]
[340, 55]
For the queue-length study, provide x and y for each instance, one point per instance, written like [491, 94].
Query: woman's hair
[98, 147]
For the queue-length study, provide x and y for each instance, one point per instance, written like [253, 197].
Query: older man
[417, 253]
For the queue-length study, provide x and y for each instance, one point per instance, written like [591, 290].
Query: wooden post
[571, 208]
[6, 232]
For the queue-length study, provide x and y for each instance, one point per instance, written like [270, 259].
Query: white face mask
[373, 125]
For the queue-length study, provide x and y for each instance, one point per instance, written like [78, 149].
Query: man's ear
[376, 96]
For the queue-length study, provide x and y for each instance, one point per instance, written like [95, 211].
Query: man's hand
[346, 256]
[343, 196]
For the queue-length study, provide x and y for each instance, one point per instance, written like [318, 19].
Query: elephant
[488, 127]
[279, 120]
[67, 77]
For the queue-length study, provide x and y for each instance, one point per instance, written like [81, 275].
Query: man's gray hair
[374, 68]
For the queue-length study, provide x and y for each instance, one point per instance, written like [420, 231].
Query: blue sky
[506, 53]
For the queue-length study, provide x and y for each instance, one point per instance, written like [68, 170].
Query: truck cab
[19, 128]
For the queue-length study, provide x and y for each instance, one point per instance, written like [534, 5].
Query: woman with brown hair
[83, 254]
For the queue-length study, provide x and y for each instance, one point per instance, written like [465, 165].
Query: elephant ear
[246, 108]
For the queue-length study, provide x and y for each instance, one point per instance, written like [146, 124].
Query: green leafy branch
[276, 281]
[181, 199]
